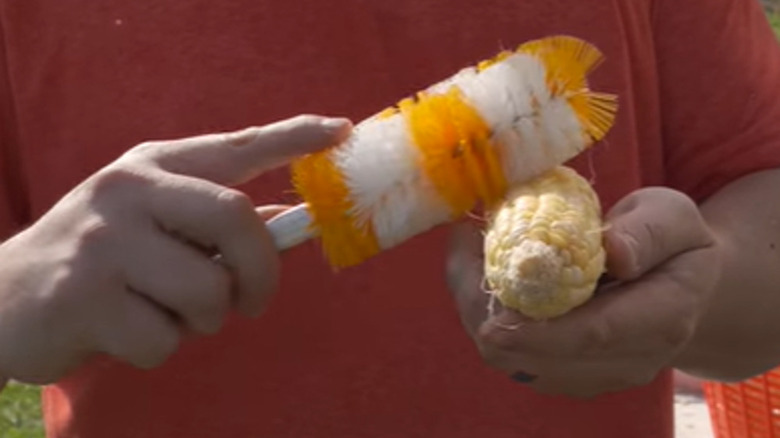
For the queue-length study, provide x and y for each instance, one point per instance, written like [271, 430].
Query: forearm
[739, 335]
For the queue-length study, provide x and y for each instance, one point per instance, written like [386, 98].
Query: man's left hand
[665, 263]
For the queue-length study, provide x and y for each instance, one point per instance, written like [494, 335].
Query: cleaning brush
[468, 141]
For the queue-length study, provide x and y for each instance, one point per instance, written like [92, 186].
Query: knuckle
[144, 151]
[95, 235]
[113, 179]
[239, 138]
[236, 204]
[597, 337]
[678, 334]
[494, 338]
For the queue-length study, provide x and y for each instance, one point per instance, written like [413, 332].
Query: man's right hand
[125, 263]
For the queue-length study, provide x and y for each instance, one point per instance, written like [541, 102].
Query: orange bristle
[568, 61]
[344, 242]
[457, 155]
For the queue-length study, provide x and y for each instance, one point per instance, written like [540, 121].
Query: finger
[137, 331]
[660, 308]
[508, 360]
[556, 375]
[464, 272]
[508, 332]
[225, 221]
[181, 279]
[553, 373]
[651, 314]
[649, 227]
[236, 157]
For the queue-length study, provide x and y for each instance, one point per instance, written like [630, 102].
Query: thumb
[233, 158]
[650, 226]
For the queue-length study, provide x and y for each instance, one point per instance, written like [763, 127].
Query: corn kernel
[543, 245]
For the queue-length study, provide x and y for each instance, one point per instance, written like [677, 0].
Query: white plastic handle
[291, 228]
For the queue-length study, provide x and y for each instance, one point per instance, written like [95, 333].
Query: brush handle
[291, 228]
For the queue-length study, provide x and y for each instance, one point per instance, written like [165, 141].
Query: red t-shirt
[375, 351]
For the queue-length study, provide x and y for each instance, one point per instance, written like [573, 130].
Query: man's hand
[665, 263]
[125, 263]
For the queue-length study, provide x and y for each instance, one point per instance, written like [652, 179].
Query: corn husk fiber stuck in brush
[463, 142]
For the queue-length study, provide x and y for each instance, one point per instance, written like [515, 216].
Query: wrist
[730, 342]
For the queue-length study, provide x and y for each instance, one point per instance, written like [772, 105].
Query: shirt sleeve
[14, 205]
[719, 73]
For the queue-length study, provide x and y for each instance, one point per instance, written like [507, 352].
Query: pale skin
[696, 289]
[125, 264]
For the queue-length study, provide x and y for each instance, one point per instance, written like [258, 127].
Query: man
[378, 350]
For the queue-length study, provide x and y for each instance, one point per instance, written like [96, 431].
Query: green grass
[774, 19]
[20, 412]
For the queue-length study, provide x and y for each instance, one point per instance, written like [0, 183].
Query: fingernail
[523, 377]
[336, 124]
[631, 253]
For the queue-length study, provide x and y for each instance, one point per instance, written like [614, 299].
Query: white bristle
[533, 74]
[381, 165]
[551, 136]
[532, 129]
[527, 149]
[503, 94]
[381, 168]
[561, 119]
[498, 94]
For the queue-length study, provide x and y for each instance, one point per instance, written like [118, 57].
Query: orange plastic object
[748, 409]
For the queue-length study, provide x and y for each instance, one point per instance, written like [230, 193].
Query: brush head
[461, 143]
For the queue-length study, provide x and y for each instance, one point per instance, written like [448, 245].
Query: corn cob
[543, 245]
[460, 143]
